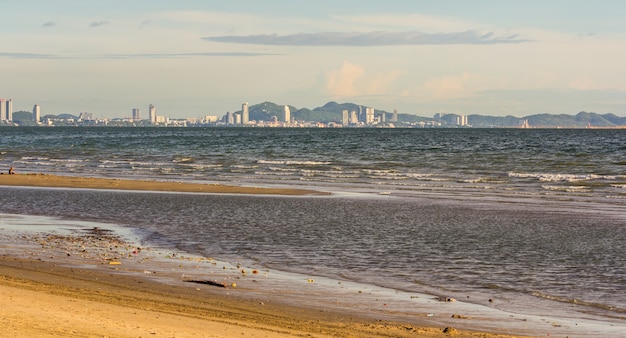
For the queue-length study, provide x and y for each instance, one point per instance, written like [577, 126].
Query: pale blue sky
[196, 58]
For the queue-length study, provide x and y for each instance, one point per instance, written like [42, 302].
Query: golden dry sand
[44, 180]
[40, 299]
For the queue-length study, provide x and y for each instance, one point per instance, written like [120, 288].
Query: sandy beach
[43, 299]
[65, 285]
[45, 180]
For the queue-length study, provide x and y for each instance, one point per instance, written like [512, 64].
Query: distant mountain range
[332, 112]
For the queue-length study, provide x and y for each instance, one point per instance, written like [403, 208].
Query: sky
[192, 58]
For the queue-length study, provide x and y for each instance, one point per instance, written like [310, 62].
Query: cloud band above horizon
[369, 39]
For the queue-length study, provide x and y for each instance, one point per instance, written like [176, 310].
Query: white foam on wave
[567, 188]
[291, 162]
[545, 177]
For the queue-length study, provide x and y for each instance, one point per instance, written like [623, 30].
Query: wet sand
[44, 180]
[66, 285]
[42, 299]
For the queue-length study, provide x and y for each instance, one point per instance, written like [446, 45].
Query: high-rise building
[354, 118]
[245, 114]
[394, 117]
[37, 113]
[461, 120]
[230, 118]
[287, 117]
[84, 116]
[369, 115]
[344, 118]
[152, 114]
[10, 110]
[136, 114]
[3, 112]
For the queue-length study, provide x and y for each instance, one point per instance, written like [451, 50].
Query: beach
[91, 283]
[56, 181]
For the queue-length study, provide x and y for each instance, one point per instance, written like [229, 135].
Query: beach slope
[55, 181]
[42, 299]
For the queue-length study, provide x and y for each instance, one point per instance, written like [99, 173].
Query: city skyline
[197, 58]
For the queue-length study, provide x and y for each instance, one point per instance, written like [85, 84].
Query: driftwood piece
[206, 282]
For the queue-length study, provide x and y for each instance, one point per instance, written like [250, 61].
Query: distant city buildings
[369, 115]
[3, 110]
[245, 114]
[152, 114]
[453, 119]
[136, 116]
[287, 115]
[263, 115]
[524, 124]
[9, 110]
[85, 117]
[37, 114]
[345, 118]
[354, 118]
[230, 118]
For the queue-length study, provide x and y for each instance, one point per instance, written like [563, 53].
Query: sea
[533, 218]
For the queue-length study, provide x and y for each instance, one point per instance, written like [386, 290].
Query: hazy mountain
[580, 120]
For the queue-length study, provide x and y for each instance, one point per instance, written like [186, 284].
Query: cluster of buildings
[361, 117]
[452, 119]
[6, 111]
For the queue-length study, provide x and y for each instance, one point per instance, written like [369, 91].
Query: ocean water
[533, 218]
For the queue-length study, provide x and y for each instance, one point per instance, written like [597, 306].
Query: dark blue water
[535, 217]
[513, 161]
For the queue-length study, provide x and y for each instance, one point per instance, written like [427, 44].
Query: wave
[566, 188]
[34, 158]
[568, 300]
[545, 177]
[183, 160]
[287, 162]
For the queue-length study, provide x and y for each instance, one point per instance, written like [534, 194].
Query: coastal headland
[70, 286]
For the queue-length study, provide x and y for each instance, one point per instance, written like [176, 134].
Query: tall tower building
[344, 118]
[354, 118]
[394, 117]
[230, 118]
[369, 115]
[3, 112]
[287, 117]
[245, 114]
[152, 114]
[136, 114]
[10, 110]
[37, 113]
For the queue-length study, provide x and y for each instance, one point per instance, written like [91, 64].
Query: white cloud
[363, 39]
[352, 80]
[342, 82]
[444, 88]
[98, 23]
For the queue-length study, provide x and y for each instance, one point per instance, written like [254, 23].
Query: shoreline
[83, 285]
[312, 319]
[81, 182]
